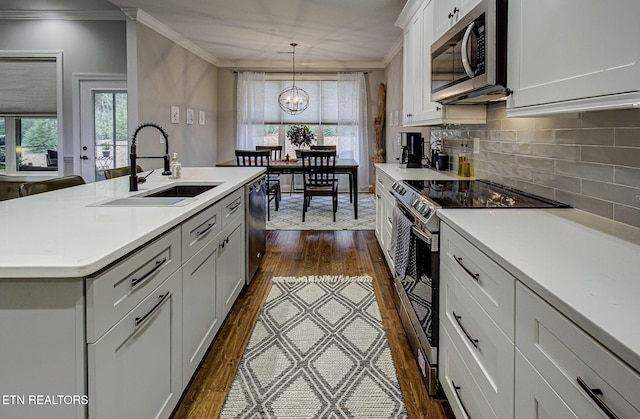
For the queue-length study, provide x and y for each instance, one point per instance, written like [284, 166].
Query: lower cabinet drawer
[572, 362]
[463, 393]
[489, 284]
[134, 370]
[232, 207]
[113, 293]
[198, 230]
[485, 349]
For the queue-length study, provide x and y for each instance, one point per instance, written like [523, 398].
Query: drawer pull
[232, 209]
[476, 277]
[457, 390]
[137, 281]
[593, 394]
[473, 341]
[225, 241]
[140, 320]
[209, 227]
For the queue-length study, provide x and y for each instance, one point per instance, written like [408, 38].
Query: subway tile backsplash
[588, 160]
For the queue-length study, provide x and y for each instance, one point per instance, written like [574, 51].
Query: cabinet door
[584, 50]
[449, 12]
[199, 314]
[230, 267]
[413, 67]
[134, 369]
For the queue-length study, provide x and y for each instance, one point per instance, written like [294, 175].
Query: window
[321, 115]
[29, 131]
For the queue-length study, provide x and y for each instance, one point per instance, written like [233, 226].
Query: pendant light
[293, 100]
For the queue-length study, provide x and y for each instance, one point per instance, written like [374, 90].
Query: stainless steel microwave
[469, 62]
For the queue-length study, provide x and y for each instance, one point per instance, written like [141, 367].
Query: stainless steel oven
[416, 262]
[416, 253]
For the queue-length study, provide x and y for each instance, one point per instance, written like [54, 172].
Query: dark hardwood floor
[299, 253]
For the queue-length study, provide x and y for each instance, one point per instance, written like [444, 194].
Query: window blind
[28, 86]
[323, 99]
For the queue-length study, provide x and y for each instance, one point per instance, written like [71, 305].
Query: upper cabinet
[448, 12]
[572, 56]
[417, 21]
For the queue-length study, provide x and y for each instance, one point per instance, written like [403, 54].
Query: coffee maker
[411, 149]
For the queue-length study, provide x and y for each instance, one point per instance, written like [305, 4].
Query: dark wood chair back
[276, 150]
[319, 167]
[323, 147]
[32, 188]
[253, 158]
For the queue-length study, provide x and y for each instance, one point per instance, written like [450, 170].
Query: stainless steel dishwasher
[256, 224]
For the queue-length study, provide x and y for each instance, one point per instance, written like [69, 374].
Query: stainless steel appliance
[256, 224]
[417, 284]
[469, 62]
[411, 144]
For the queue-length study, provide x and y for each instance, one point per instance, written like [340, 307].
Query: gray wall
[169, 74]
[87, 47]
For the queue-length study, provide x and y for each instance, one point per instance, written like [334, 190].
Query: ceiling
[258, 33]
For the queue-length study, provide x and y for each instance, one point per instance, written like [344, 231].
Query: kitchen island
[106, 311]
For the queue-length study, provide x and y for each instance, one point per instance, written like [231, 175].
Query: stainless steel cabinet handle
[137, 281]
[140, 320]
[476, 277]
[473, 341]
[235, 207]
[209, 227]
[457, 390]
[593, 394]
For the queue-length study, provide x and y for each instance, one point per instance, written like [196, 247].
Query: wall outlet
[476, 146]
[175, 114]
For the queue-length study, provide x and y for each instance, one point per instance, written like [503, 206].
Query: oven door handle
[425, 237]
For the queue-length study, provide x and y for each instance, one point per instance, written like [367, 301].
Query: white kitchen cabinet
[230, 266]
[477, 315]
[449, 12]
[134, 370]
[572, 56]
[417, 20]
[556, 355]
[200, 314]
[385, 202]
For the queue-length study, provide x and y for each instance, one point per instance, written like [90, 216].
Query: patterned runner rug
[318, 350]
[320, 215]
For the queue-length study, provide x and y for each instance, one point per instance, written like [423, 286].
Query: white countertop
[586, 266]
[56, 235]
[397, 173]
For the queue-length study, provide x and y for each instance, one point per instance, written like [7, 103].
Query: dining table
[343, 166]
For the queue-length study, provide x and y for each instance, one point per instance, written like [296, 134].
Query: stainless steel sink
[173, 196]
[183, 191]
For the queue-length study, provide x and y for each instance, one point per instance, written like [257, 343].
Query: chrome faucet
[133, 176]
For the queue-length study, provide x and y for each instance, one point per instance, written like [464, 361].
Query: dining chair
[32, 188]
[319, 177]
[333, 147]
[120, 171]
[276, 154]
[261, 158]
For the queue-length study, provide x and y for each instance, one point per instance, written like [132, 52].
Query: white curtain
[353, 134]
[250, 102]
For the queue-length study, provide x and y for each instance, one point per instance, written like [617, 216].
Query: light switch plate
[201, 119]
[175, 114]
[189, 116]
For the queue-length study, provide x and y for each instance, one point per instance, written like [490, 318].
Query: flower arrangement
[300, 135]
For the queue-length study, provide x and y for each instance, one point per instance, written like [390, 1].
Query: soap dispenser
[175, 167]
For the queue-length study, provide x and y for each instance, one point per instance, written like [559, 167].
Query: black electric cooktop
[479, 194]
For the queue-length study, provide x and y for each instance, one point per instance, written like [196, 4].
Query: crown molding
[62, 15]
[395, 49]
[153, 23]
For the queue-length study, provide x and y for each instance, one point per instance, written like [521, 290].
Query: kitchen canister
[442, 161]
